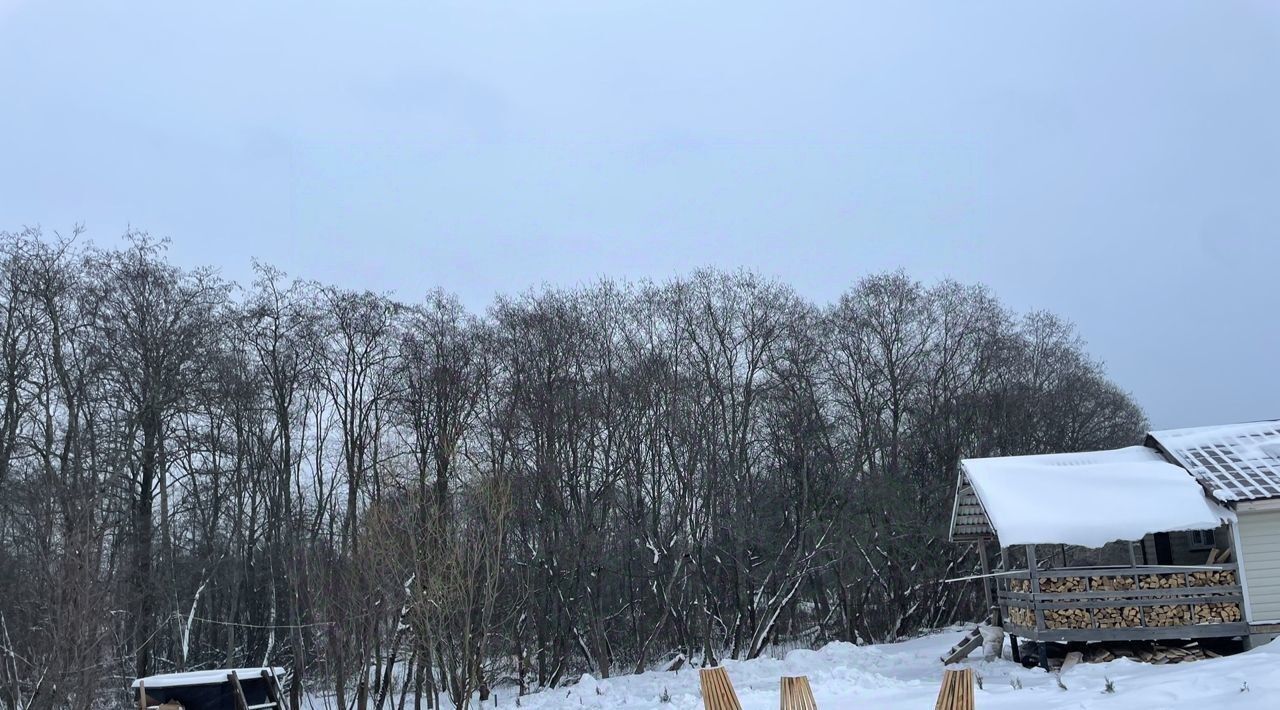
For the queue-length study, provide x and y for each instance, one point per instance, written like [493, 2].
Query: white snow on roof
[1089, 498]
[1233, 461]
[172, 680]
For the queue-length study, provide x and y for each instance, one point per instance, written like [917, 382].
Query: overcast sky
[1116, 163]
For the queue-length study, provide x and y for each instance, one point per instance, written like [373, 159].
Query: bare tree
[154, 325]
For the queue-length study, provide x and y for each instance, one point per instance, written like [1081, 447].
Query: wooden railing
[1104, 603]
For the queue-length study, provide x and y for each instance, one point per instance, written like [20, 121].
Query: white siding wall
[1260, 553]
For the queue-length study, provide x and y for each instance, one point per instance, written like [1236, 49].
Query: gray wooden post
[1033, 569]
[992, 613]
[1003, 584]
[1137, 584]
[1088, 587]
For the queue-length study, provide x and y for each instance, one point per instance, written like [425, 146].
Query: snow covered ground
[907, 675]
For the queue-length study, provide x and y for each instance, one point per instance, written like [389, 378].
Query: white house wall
[1259, 535]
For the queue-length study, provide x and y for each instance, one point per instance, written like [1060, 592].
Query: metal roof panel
[1232, 461]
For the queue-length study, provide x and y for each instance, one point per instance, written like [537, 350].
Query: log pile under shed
[1113, 613]
[1154, 652]
[1157, 653]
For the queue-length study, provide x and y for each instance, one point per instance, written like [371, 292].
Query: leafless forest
[402, 501]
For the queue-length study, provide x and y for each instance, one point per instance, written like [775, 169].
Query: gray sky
[1116, 163]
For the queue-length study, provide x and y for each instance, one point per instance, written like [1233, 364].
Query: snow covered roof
[1232, 461]
[1089, 498]
[171, 680]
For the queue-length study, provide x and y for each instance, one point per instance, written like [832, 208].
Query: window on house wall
[1201, 539]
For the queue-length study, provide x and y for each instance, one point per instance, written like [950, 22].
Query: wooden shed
[1197, 509]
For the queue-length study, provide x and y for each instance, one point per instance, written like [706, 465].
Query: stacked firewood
[1115, 616]
[1165, 614]
[1061, 585]
[1214, 613]
[1021, 616]
[1112, 584]
[1157, 615]
[1228, 613]
[1212, 578]
[1064, 618]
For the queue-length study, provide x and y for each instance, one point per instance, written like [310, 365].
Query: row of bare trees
[407, 502]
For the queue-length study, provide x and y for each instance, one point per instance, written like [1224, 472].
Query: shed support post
[993, 613]
[1002, 584]
[1014, 651]
[1033, 570]
[1137, 583]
